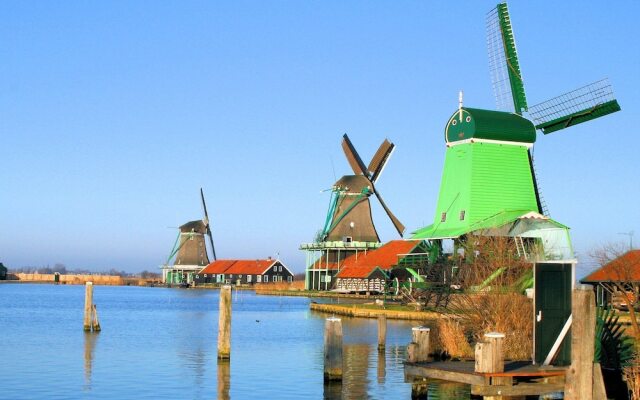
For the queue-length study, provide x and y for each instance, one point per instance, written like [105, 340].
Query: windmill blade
[354, 159]
[506, 78]
[396, 222]
[379, 160]
[206, 222]
[581, 105]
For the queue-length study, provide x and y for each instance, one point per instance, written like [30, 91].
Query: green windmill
[489, 186]
[489, 175]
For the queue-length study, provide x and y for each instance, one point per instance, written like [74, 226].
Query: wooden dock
[519, 378]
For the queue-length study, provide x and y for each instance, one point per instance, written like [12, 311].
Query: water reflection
[224, 381]
[90, 340]
[355, 371]
[382, 366]
[332, 390]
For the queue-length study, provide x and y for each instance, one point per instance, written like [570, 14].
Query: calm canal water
[160, 343]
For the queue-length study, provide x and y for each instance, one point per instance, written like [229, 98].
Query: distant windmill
[348, 227]
[349, 212]
[190, 251]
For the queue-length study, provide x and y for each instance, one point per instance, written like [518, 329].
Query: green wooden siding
[483, 180]
[487, 124]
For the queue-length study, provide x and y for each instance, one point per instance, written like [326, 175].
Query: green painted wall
[483, 179]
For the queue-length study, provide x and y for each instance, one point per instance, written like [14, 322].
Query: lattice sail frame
[583, 104]
[506, 77]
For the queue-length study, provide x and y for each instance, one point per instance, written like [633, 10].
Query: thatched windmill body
[189, 253]
[348, 227]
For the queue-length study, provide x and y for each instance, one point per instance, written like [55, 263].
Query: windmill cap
[473, 123]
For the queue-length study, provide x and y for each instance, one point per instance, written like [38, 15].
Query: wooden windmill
[189, 252]
[349, 216]
[489, 184]
[349, 226]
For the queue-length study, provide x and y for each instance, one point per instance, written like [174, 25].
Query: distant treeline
[62, 270]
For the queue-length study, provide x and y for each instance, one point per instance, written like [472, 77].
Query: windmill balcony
[340, 245]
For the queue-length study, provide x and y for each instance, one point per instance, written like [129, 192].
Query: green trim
[579, 117]
[476, 123]
[511, 57]
[362, 196]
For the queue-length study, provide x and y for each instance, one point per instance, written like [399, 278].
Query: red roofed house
[369, 272]
[624, 271]
[244, 272]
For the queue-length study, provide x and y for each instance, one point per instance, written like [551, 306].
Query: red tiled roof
[624, 268]
[250, 267]
[321, 263]
[217, 267]
[384, 257]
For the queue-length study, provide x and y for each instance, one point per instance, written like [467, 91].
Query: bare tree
[622, 277]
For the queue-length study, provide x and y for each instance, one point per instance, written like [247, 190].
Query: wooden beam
[523, 389]
[414, 371]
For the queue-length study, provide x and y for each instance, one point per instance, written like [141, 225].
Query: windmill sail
[581, 105]
[506, 78]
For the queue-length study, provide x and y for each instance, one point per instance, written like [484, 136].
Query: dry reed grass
[450, 337]
[492, 303]
[294, 286]
[632, 377]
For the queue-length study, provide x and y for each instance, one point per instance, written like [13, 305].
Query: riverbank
[315, 293]
[371, 311]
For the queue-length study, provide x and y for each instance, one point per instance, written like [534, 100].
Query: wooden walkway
[518, 379]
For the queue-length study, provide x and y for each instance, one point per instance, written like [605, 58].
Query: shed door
[552, 309]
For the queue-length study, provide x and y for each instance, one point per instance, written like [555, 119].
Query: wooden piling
[224, 323]
[418, 349]
[579, 382]
[88, 306]
[490, 359]
[489, 353]
[333, 349]
[382, 332]
[95, 324]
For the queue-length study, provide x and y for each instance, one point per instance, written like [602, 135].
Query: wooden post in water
[579, 379]
[333, 349]
[382, 332]
[490, 358]
[88, 306]
[418, 349]
[224, 323]
[95, 324]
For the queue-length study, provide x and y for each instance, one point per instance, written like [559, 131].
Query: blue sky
[114, 114]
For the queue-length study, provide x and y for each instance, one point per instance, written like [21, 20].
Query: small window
[266, 278]
[289, 278]
[468, 119]
[443, 218]
[462, 215]
[197, 276]
[248, 278]
[230, 276]
[259, 278]
[240, 276]
[280, 268]
[205, 275]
